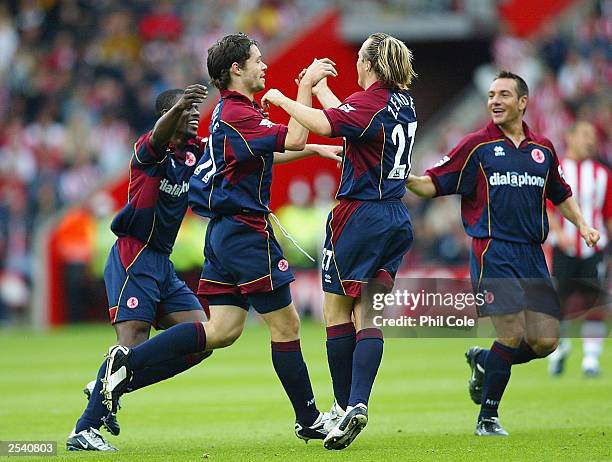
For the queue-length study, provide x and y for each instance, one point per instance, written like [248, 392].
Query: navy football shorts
[142, 285]
[242, 262]
[513, 277]
[364, 241]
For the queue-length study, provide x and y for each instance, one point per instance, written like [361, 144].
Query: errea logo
[442, 161]
[499, 151]
[346, 107]
[266, 123]
[560, 170]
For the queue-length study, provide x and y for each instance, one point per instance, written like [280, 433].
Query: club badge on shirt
[190, 159]
[538, 156]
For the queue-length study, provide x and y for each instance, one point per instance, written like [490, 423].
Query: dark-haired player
[142, 287]
[244, 265]
[504, 174]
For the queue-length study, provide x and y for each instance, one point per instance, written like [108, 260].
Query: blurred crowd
[389, 8]
[78, 79]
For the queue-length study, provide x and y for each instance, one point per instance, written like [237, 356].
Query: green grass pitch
[232, 407]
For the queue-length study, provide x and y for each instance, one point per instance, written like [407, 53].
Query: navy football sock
[366, 360]
[340, 346]
[179, 340]
[95, 410]
[162, 371]
[497, 373]
[293, 374]
[524, 353]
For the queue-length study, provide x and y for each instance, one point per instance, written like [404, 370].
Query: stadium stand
[78, 78]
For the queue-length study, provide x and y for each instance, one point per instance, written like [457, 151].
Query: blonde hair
[391, 60]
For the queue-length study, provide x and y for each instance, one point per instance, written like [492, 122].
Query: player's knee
[222, 332]
[291, 328]
[132, 340]
[284, 328]
[285, 333]
[334, 317]
[544, 346]
[230, 337]
[227, 336]
[512, 342]
[337, 309]
[131, 335]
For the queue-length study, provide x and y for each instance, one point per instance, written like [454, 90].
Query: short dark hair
[521, 86]
[166, 99]
[234, 48]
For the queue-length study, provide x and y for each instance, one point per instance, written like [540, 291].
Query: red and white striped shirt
[591, 183]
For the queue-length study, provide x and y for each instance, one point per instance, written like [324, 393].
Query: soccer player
[369, 231]
[142, 287]
[504, 174]
[579, 269]
[244, 265]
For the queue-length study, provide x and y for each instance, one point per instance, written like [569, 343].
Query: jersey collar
[495, 132]
[232, 94]
[378, 84]
[181, 153]
[226, 94]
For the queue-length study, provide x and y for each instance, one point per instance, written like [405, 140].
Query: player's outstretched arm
[313, 119]
[325, 96]
[422, 186]
[569, 209]
[310, 119]
[323, 93]
[297, 134]
[322, 150]
[166, 125]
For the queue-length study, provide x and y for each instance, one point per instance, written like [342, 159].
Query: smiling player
[244, 265]
[142, 287]
[504, 174]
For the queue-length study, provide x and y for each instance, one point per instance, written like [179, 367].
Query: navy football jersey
[379, 125]
[503, 188]
[157, 192]
[235, 175]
